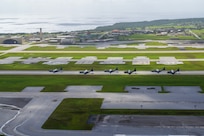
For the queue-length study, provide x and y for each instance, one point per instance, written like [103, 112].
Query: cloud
[107, 8]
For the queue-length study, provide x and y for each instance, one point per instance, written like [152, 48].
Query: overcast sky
[138, 9]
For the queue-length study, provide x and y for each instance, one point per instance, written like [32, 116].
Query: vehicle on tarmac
[56, 70]
[86, 71]
[111, 70]
[159, 70]
[173, 71]
[130, 71]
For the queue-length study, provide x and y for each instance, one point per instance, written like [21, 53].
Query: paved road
[15, 72]
[36, 112]
[194, 34]
[16, 49]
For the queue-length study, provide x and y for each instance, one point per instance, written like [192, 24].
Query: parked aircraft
[56, 70]
[159, 70]
[173, 71]
[86, 71]
[111, 70]
[130, 71]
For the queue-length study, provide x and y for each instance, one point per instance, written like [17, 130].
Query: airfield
[28, 119]
[25, 111]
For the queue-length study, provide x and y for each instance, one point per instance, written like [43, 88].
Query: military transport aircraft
[173, 71]
[159, 70]
[130, 71]
[56, 70]
[111, 70]
[86, 71]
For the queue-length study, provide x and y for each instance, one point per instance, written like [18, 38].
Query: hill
[191, 22]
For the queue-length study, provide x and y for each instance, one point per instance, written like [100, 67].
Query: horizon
[68, 15]
[66, 24]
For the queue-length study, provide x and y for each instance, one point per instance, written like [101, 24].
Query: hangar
[11, 40]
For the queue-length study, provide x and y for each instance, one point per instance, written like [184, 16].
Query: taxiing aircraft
[111, 70]
[86, 71]
[173, 71]
[159, 70]
[56, 70]
[130, 71]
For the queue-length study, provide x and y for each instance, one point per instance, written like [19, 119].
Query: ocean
[30, 24]
[68, 15]
[52, 23]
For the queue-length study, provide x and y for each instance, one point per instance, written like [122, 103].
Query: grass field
[104, 55]
[200, 33]
[155, 37]
[155, 44]
[145, 37]
[193, 65]
[5, 48]
[52, 48]
[68, 48]
[129, 48]
[112, 83]
[73, 114]
[189, 26]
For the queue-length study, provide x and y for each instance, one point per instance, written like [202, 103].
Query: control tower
[41, 35]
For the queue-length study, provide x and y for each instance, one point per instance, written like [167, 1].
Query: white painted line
[1, 129]
[17, 132]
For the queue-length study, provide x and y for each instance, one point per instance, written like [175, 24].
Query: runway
[99, 52]
[36, 112]
[29, 72]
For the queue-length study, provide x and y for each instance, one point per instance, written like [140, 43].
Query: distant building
[67, 41]
[162, 34]
[121, 32]
[63, 40]
[34, 39]
[11, 40]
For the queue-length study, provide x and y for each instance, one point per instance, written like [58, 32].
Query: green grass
[187, 37]
[200, 33]
[190, 48]
[155, 44]
[96, 65]
[189, 26]
[145, 37]
[104, 55]
[5, 48]
[51, 48]
[68, 48]
[191, 65]
[155, 37]
[73, 114]
[112, 83]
